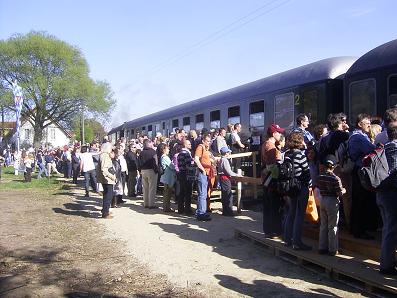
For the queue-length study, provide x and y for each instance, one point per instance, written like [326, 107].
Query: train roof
[330, 68]
[116, 129]
[384, 55]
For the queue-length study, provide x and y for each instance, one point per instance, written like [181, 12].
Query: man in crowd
[88, 168]
[386, 199]
[237, 145]
[362, 211]
[203, 162]
[132, 166]
[302, 122]
[185, 161]
[270, 154]
[328, 146]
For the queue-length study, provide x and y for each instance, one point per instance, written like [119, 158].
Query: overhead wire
[233, 26]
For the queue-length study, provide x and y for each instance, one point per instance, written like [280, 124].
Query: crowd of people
[325, 162]
[328, 164]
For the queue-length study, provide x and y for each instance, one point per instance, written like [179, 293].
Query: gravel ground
[57, 245]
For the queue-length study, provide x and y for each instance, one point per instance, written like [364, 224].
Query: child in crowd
[331, 190]
[225, 172]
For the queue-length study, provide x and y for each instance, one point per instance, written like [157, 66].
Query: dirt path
[55, 245]
[50, 249]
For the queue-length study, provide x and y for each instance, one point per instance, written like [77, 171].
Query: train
[367, 84]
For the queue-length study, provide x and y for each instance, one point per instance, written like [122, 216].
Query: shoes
[333, 253]
[121, 202]
[169, 210]
[87, 195]
[132, 196]
[228, 214]
[288, 244]
[302, 247]
[269, 235]
[108, 216]
[152, 207]
[209, 210]
[204, 217]
[390, 271]
[323, 251]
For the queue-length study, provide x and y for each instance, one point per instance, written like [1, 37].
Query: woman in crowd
[168, 178]
[297, 201]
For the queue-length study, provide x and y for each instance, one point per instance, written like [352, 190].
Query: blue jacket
[359, 146]
[169, 176]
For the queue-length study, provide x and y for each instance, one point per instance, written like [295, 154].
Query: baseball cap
[225, 150]
[274, 128]
[330, 160]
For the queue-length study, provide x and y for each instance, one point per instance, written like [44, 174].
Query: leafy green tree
[93, 130]
[55, 79]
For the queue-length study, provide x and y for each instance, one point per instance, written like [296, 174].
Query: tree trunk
[38, 135]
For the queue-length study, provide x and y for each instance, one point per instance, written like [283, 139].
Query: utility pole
[82, 133]
[2, 123]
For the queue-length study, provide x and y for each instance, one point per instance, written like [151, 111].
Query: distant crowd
[325, 162]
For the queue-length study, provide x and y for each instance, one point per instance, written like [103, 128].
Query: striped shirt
[184, 159]
[301, 166]
[329, 184]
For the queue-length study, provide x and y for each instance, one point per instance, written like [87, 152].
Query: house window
[199, 121]
[215, 119]
[52, 133]
[27, 134]
[257, 114]
[233, 115]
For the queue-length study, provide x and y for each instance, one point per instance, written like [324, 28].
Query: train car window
[392, 92]
[215, 119]
[186, 123]
[132, 133]
[257, 113]
[233, 115]
[362, 98]
[312, 102]
[150, 128]
[284, 110]
[157, 127]
[199, 121]
[163, 125]
[143, 128]
[175, 124]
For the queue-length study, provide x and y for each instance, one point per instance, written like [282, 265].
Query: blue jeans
[296, 214]
[387, 204]
[107, 198]
[42, 169]
[90, 178]
[202, 185]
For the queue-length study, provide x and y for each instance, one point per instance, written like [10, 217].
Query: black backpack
[287, 183]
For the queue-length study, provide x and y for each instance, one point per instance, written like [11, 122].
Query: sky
[157, 54]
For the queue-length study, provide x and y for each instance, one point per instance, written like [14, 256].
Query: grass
[10, 181]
